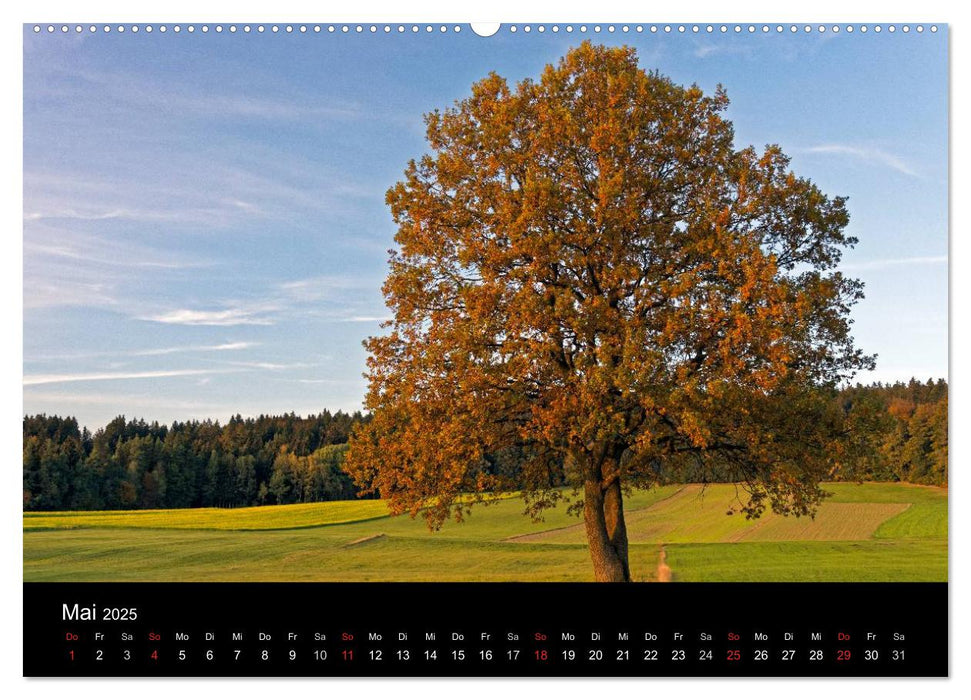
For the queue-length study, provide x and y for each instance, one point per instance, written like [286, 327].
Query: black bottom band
[485, 629]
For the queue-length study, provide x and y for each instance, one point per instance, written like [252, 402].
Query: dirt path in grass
[363, 540]
[663, 570]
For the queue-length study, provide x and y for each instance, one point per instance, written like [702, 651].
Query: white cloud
[56, 211]
[366, 319]
[191, 190]
[42, 295]
[274, 366]
[151, 352]
[896, 262]
[224, 317]
[326, 287]
[875, 155]
[186, 98]
[128, 260]
[73, 214]
[250, 107]
[195, 348]
[121, 402]
[349, 382]
[67, 267]
[34, 379]
[705, 50]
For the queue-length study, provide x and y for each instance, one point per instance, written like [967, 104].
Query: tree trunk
[603, 515]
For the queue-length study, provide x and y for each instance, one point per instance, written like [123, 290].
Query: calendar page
[590, 349]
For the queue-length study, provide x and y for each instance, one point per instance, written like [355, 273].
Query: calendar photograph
[539, 304]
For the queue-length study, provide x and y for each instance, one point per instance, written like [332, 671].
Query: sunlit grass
[869, 532]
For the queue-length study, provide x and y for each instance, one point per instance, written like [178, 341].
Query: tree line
[894, 432]
[131, 464]
[909, 434]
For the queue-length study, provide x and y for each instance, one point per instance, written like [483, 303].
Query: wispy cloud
[896, 262]
[365, 319]
[83, 215]
[342, 298]
[313, 289]
[706, 50]
[34, 379]
[119, 402]
[250, 107]
[94, 197]
[224, 317]
[72, 252]
[223, 347]
[217, 190]
[150, 352]
[64, 266]
[874, 155]
[272, 366]
[349, 382]
[71, 292]
[68, 81]
[327, 286]
[217, 212]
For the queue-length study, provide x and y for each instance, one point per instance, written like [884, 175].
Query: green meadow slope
[868, 532]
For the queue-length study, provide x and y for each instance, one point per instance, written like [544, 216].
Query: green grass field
[262, 518]
[868, 532]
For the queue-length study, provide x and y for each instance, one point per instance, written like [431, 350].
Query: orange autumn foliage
[591, 278]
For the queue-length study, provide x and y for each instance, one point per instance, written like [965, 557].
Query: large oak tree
[592, 286]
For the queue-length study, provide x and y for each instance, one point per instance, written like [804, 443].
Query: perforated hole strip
[456, 28]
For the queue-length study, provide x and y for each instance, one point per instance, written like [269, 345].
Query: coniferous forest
[132, 464]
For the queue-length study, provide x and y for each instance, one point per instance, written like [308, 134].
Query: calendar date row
[540, 655]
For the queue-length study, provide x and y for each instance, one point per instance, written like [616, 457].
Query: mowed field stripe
[570, 531]
[699, 513]
[833, 522]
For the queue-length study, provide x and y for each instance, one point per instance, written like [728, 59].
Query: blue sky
[204, 222]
